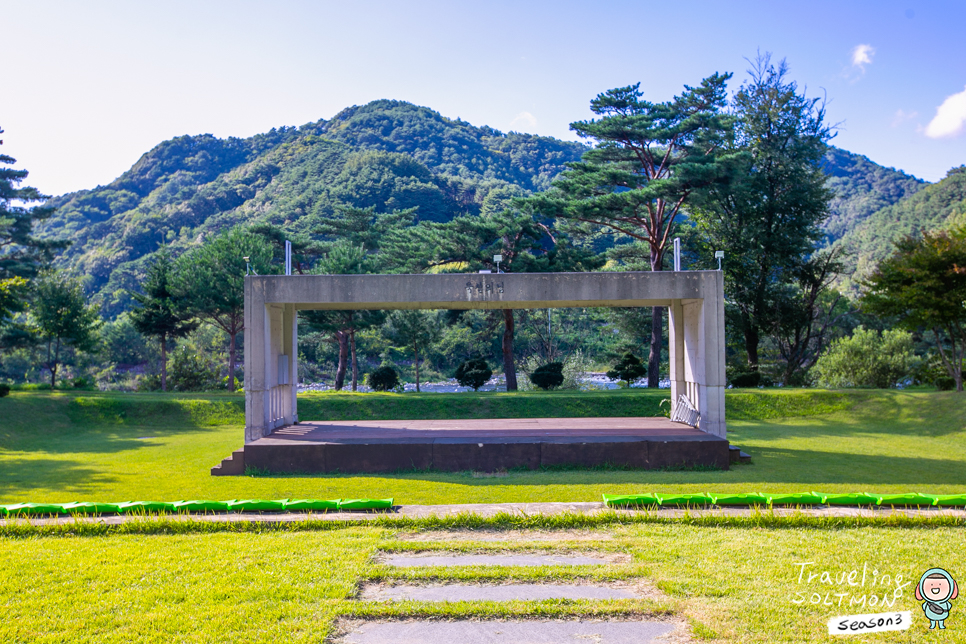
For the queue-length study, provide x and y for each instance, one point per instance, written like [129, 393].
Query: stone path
[457, 630]
[409, 561]
[502, 593]
[507, 632]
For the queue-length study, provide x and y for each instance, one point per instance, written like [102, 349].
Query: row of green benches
[801, 498]
[158, 507]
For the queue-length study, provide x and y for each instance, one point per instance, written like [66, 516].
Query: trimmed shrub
[868, 359]
[473, 373]
[944, 383]
[744, 380]
[629, 369]
[383, 379]
[548, 376]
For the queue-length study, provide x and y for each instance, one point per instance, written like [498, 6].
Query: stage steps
[234, 465]
[735, 455]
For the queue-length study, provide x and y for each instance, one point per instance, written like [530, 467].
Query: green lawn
[60, 447]
[733, 582]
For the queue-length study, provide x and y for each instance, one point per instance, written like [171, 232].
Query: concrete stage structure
[694, 299]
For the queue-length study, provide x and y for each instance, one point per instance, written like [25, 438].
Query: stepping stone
[510, 631]
[501, 593]
[508, 535]
[409, 561]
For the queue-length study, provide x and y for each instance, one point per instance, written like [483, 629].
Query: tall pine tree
[157, 313]
[648, 161]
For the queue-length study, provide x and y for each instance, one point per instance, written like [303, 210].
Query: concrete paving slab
[507, 535]
[501, 593]
[410, 561]
[510, 631]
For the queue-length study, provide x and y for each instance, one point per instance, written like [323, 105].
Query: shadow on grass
[21, 476]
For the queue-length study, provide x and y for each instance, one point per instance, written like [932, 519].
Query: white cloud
[901, 116]
[862, 56]
[950, 119]
[523, 120]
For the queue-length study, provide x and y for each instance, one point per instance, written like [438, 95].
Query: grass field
[730, 579]
[61, 447]
[734, 582]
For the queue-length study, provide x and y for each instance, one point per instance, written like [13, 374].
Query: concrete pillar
[256, 347]
[714, 358]
[675, 320]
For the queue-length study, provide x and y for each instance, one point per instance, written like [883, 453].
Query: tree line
[742, 175]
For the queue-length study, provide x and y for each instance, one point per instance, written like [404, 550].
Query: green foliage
[384, 378]
[628, 369]
[62, 318]
[940, 206]
[945, 383]
[192, 372]
[867, 359]
[924, 284]
[650, 160]
[548, 376]
[22, 254]
[209, 281]
[861, 188]
[473, 373]
[389, 156]
[122, 343]
[767, 217]
[156, 313]
[746, 379]
[415, 330]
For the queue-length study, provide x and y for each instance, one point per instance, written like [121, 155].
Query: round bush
[473, 373]
[751, 379]
[944, 383]
[548, 376]
[383, 379]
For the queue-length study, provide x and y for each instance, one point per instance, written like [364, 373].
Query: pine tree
[157, 314]
[649, 160]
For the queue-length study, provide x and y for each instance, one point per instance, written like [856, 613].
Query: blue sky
[87, 87]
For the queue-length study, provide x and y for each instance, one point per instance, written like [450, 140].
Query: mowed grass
[252, 587]
[60, 447]
[733, 583]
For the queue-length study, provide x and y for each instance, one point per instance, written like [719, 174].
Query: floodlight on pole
[719, 255]
[498, 259]
[248, 267]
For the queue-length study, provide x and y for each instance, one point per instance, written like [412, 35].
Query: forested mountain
[389, 155]
[934, 207]
[861, 187]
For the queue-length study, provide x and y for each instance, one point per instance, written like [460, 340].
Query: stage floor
[484, 445]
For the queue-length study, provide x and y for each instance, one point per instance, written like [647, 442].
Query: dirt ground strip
[493, 509]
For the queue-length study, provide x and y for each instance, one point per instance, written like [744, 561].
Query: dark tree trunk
[164, 363]
[751, 345]
[509, 368]
[231, 361]
[355, 365]
[343, 340]
[416, 354]
[657, 321]
[53, 362]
